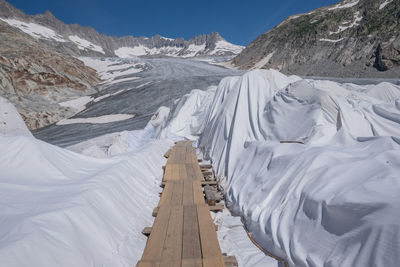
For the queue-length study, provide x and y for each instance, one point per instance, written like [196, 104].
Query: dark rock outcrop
[350, 39]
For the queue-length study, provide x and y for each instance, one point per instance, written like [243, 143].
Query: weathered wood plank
[183, 233]
[146, 231]
[188, 198]
[167, 194]
[190, 171]
[155, 243]
[177, 194]
[148, 264]
[205, 166]
[210, 249]
[183, 172]
[230, 261]
[208, 182]
[198, 174]
[172, 249]
[217, 207]
[191, 236]
[192, 263]
[198, 196]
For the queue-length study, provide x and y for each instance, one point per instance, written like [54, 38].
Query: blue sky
[239, 22]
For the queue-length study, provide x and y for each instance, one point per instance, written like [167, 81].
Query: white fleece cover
[60, 208]
[332, 201]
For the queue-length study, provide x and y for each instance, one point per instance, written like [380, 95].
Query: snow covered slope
[332, 201]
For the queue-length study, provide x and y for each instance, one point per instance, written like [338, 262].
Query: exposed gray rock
[349, 39]
[35, 78]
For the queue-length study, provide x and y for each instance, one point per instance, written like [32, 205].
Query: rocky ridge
[85, 41]
[354, 38]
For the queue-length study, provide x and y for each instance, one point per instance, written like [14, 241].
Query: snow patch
[85, 44]
[141, 50]
[79, 104]
[127, 52]
[194, 49]
[385, 4]
[35, 30]
[97, 120]
[344, 5]
[357, 19]
[224, 46]
[331, 40]
[110, 69]
[263, 61]
[165, 38]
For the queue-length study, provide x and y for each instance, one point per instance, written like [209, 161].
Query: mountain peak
[49, 14]
[86, 41]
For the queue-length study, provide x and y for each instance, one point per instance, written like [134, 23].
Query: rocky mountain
[353, 38]
[39, 66]
[35, 77]
[85, 41]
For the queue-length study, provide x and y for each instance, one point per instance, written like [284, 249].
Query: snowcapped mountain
[353, 38]
[85, 41]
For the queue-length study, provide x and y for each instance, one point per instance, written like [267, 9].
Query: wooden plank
[211, 251]
[183, 233]
[183, 172]
[187, 193]
[217, 207]
[146, 231]
[148, 264]
[171, 172]
[198, 174]
[230, 261]
[172, 249]
[205, 166]
[168, 153]
[209, 183]
[177, 194]
[191, 236]
[155, 212]
[154, 247]
[213, 262]
[198, 196]
[168, 172]
[171, 263]
[192, 263]
[190, 171]
[167, 194]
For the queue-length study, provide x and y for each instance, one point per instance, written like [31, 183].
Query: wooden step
[205, 166]
[230, 261]
[217, 207]
[146, 231]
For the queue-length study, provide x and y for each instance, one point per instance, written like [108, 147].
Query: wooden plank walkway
[183, 233]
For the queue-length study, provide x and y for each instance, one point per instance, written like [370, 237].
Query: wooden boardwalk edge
[183, 233]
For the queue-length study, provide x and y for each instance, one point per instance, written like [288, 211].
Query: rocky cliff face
[354, 38]
[35, 78]
[85, 41]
